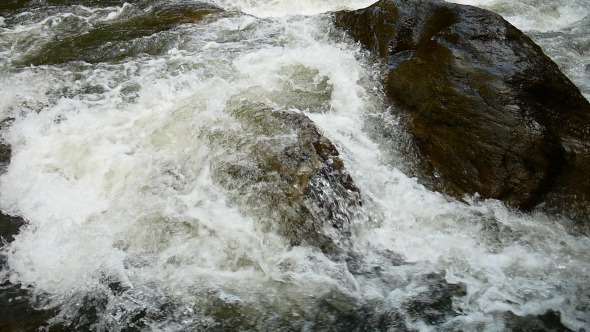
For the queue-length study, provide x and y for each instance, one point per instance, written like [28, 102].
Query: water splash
[537, 15]
[281, 8]
[129, 225]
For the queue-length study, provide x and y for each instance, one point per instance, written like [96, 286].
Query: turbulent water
[120, 120]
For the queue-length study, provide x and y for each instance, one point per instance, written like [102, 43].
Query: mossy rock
[121, 38]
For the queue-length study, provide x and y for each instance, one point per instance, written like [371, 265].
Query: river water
[127, 224]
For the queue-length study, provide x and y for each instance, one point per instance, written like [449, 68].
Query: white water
[278, 8]
[536, 14]
[112, 170]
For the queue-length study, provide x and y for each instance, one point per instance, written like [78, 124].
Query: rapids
[126, 223]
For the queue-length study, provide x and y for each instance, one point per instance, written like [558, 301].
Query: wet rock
[548, 322]
[9, 5]
[17, 314]
[120, 38]
[279, 167]
[9, 227]
[13, 4]
[5, 154]
[488, 111]
[431, 304]
[435, 305]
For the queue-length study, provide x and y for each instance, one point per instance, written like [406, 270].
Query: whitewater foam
[536, 15]
[281, 8]
[112, 171]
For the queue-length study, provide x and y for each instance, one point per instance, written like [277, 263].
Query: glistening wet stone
[282, 168]
[489, 112]
[122, 37]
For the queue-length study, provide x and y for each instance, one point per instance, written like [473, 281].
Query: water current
[122, 117]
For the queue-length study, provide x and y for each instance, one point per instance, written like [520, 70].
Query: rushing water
[118, 145]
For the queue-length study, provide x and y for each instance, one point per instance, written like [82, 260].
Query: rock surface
[120, 38]
[280, 168]
[489, 112]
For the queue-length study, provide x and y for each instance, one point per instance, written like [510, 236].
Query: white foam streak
[535, 15]
[279, 8]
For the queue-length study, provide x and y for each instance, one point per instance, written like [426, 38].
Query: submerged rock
[280, 168]
[17, 314]
[26, 4]
[5, 153]
[120, 38]
[549, 321]
[489, 112]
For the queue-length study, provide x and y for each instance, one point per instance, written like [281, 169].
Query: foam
[281, 8]
[119, 190]
[535, 15]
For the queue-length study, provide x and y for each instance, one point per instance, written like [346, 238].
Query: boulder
[490, 113]
[279, 168]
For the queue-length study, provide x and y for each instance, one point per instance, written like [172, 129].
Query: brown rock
[489, 112]
[281, 169]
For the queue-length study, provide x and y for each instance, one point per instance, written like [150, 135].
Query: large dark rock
[279, 168]
[489, 112]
